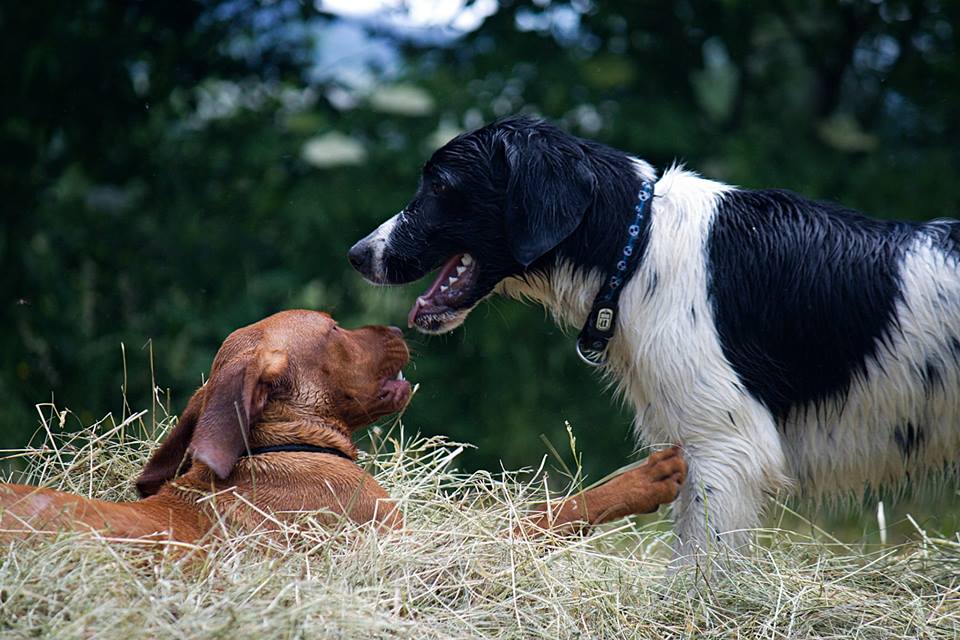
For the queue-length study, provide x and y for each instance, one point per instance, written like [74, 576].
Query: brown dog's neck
[280, 430]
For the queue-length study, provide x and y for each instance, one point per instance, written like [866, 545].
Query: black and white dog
[785, 343]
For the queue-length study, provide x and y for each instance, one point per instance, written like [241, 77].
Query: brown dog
[270, 432]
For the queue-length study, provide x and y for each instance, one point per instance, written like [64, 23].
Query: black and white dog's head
[492, 203]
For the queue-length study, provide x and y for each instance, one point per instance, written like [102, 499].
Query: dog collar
[297, 448]
[602, 319]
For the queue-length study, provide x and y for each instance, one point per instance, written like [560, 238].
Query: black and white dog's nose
[367, 255]
[360, 256]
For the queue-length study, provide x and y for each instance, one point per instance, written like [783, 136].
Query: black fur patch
[803, 293]
[909, 438]
[931, 376]
[955, 347]
[598, 241]
[652, 284]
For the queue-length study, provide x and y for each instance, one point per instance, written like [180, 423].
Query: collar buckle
[591, 357]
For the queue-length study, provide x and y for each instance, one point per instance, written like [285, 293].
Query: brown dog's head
[300, 362]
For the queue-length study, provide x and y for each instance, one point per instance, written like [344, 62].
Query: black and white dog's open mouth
[447, 298]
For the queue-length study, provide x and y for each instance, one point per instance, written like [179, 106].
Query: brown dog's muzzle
[373, 382]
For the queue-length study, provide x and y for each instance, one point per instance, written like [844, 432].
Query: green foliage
[156, 189]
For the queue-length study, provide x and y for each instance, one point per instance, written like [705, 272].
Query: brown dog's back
[25, 509]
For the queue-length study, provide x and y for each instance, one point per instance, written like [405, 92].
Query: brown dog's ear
[235, 397]
[169, 461]
[215, 424]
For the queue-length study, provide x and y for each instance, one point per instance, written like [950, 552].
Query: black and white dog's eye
[437, 188]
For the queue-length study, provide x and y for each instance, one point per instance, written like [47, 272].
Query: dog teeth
[452, 280]
[399, 376]
[443, 288]
[460, 270]
[466, 260]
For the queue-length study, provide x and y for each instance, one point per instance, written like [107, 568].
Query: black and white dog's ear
[550, 186]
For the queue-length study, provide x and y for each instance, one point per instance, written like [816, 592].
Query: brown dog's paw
[659, 478]
[665, 464]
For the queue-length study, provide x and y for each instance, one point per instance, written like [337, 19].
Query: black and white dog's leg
[734, 453]
[721, 501]
[735, 461]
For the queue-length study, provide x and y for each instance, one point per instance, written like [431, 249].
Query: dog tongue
[426, 300]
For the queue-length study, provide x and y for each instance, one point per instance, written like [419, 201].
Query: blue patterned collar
[602, 319]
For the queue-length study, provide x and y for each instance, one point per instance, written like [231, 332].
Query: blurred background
[170, 171]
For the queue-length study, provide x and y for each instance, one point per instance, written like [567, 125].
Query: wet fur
[788, 344]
